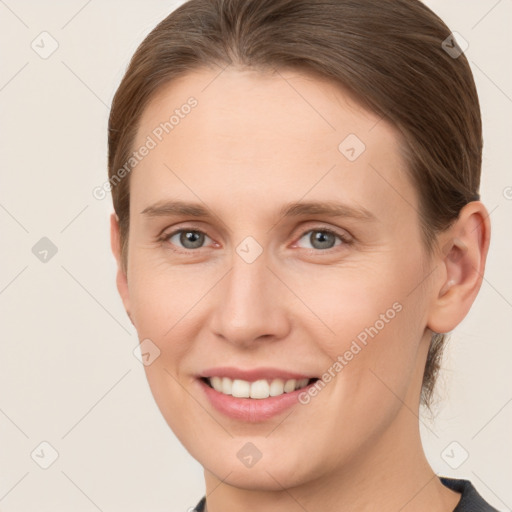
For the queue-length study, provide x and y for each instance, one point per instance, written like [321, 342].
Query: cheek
[164, 301]
[375, 318]
[161, 294]
[355, 299]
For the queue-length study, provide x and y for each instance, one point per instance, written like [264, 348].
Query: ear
[121, 277]
[462, 261]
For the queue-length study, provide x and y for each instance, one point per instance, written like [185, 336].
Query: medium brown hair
[392, 55]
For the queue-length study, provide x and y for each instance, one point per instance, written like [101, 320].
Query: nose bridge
[248, 306]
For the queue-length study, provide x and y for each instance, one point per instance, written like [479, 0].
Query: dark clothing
[200, 505]
[470, 500]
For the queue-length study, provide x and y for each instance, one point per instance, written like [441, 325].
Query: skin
[255, 142]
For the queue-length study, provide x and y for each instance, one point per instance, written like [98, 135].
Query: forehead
[264, 105]
[264, 135]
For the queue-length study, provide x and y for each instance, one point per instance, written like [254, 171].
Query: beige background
[68, 375]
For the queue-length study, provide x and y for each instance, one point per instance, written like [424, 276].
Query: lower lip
[251, 410]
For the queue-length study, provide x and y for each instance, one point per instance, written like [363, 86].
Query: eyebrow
[294, 209]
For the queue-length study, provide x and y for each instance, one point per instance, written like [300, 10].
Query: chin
[260, 478]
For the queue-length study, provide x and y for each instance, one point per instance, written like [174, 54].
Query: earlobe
[461, 265]
[121, 277]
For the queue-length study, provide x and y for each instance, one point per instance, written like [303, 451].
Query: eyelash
[346, 241]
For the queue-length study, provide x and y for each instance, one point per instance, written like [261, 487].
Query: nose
[250, 304]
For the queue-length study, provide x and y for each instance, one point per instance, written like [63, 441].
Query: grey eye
[321, 239]
[188, 239]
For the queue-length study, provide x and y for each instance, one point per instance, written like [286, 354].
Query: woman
[297, 224]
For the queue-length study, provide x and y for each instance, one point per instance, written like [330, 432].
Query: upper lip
[253, 374]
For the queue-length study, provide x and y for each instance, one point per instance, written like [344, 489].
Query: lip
[251, 410]
[253, 374]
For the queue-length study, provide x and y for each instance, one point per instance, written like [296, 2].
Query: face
[257, 284]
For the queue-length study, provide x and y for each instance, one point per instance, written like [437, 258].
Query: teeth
[289, 385]
[259, 389]
[227, 385]
[241, 389]
[216, 383]
[276, 387]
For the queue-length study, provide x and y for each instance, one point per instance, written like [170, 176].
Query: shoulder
[470, 500]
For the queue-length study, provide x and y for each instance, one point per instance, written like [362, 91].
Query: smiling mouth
[259, 389]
